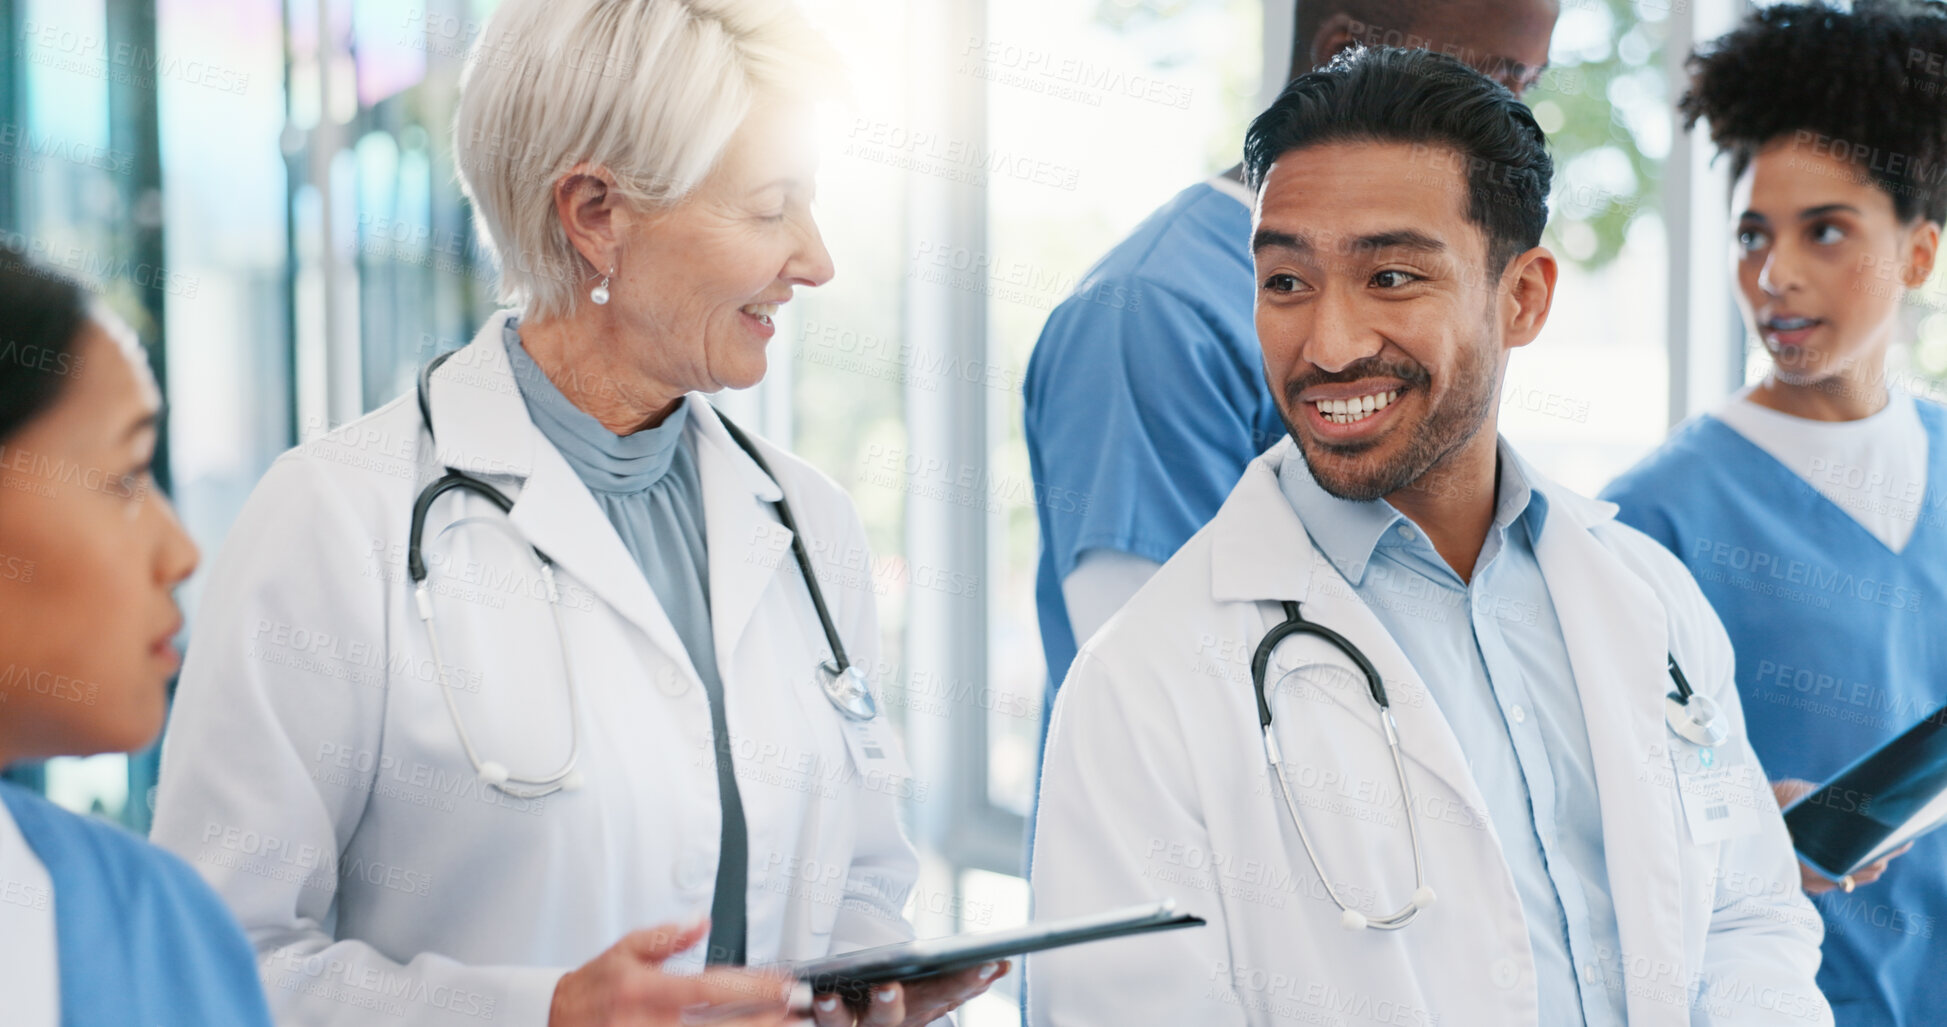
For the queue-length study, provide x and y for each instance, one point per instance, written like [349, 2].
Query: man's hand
[1792, 789]
[911, 1004]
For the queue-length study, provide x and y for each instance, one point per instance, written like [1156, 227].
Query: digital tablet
[854, 972]
[1882, 800]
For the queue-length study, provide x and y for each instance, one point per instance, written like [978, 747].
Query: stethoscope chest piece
[1696, 719]
[848, 691]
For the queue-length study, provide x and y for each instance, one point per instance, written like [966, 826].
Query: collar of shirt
[603, 460]
[1348, 532]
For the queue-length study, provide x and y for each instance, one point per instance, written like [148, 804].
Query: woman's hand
[626, 986]
[1792, 789]
[911, 1004]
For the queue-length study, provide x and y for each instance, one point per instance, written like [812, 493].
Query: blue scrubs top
[1145, 399]
[140, 938]
[1841, 645]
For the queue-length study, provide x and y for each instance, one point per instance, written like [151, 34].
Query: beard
[1357, 471]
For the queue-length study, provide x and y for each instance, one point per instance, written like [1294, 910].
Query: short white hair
[651, 90]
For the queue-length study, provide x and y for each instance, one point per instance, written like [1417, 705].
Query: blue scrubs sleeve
[1140, 420]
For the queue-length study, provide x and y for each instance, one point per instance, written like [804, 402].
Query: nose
[811, 265]
[176, 554]
[1337, 339]
[1779, 273]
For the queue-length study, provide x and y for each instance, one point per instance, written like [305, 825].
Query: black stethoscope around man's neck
[845, 685]
[1693, 717]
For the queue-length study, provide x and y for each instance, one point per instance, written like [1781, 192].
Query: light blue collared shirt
[1492, 654]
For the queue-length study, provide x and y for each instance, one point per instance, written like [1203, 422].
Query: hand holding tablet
[943, 972]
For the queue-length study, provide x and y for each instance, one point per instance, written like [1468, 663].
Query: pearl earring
[600, 292]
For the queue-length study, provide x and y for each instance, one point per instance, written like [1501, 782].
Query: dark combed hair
[1391, 95]
[41, 315]
[1868, 86]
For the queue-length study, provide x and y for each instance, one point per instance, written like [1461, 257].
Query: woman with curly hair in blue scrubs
[98, 928]
[1812, 506]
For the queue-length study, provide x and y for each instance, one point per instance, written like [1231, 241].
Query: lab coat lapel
[748, 546]
[1618, 639]
[481, 426]
[559, 515]
[1261, 552]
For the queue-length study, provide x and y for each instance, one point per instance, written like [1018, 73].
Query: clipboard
[1884, 799]
[854, 972]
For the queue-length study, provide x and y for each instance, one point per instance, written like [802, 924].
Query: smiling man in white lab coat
[1559, 853]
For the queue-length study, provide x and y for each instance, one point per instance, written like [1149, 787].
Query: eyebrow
[787, 183]
[1397, 239]
[1807, 214]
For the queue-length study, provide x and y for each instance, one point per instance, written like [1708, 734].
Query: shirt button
[1505, 973]
[1406, 533]
[1518, 715]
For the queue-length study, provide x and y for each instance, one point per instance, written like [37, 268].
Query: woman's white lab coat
[313, 775]
[1156, 784]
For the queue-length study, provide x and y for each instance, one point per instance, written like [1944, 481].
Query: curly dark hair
[1868, 86]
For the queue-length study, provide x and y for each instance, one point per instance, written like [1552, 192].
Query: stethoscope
[1692, 717]
[844, 684]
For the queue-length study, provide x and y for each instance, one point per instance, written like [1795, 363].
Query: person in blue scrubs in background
[1812, 506]
[1145, 392]
[97, 927]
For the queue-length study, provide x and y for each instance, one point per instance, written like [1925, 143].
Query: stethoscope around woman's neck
[845, 685]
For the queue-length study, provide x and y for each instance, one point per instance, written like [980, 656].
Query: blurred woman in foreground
[98, 927]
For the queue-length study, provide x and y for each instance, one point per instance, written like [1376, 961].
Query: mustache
[1359, 370]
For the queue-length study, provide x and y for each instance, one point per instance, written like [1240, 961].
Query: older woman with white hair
[519, 699]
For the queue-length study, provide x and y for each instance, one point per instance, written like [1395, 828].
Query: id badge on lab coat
[875, 751]
[1719, 790]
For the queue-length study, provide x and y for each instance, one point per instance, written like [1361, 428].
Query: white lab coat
[1156, 784]
[314, 777]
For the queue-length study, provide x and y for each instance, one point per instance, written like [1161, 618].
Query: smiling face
[1384, 333]
[1822, 261]
[698, 282]
[90, 554]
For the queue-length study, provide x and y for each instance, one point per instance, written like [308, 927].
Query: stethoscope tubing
[1689, 715]
[1296, 624]
[496, 775]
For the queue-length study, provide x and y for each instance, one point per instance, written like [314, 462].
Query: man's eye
[1281, 283]
[1393, 279]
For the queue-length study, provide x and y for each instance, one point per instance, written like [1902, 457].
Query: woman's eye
[1393, 279]
[134, 487]
[1827, 234]
[1750, 239]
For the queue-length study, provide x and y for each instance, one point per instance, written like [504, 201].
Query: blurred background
[265, 189]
